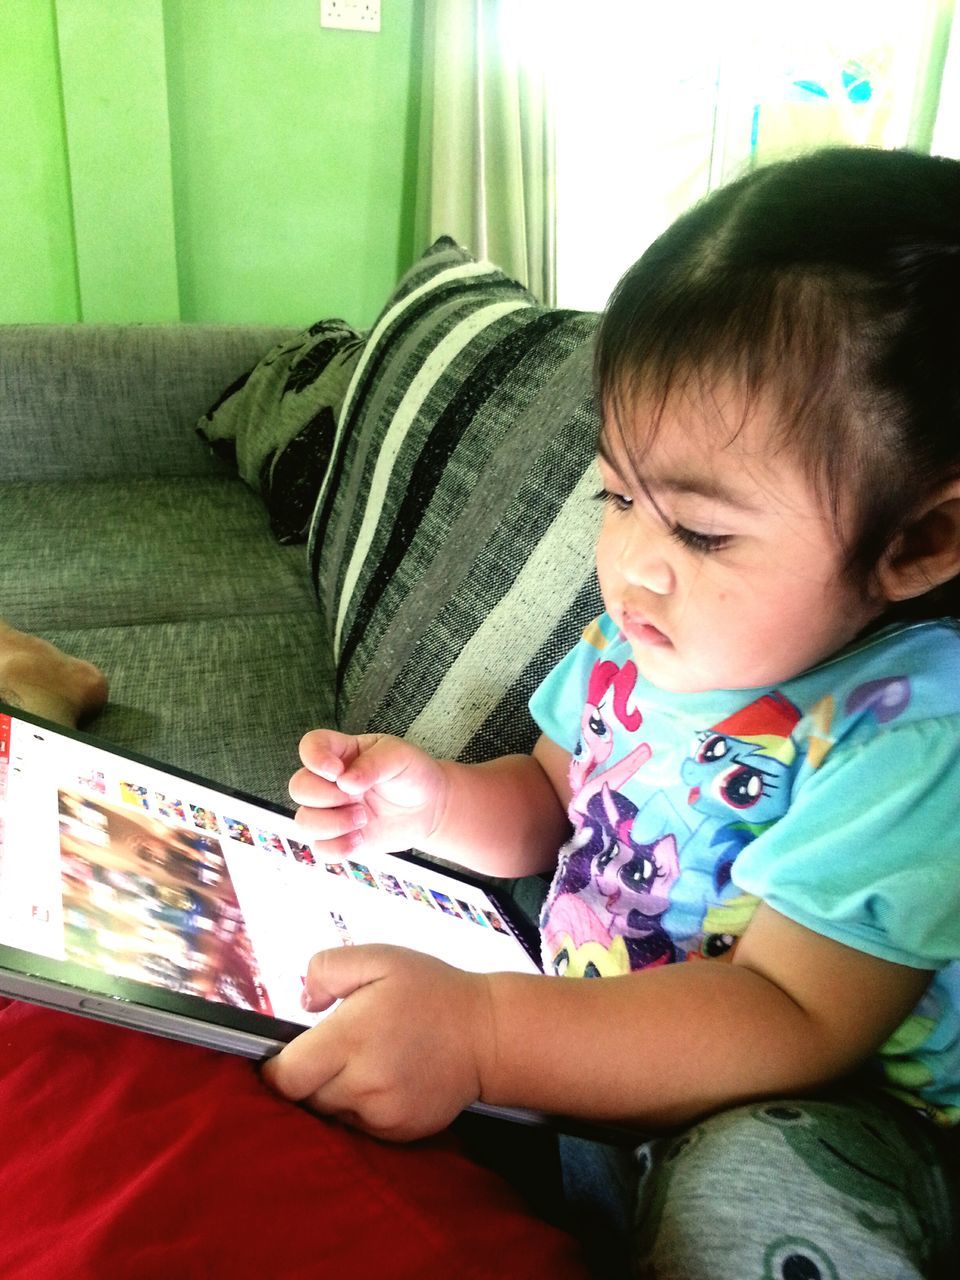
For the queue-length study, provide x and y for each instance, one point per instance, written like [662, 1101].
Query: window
[657, 104]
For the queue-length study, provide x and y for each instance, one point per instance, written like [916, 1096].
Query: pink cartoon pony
[608, 691]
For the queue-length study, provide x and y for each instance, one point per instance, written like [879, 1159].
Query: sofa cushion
[102, 553]
[277, 420]
[225, 698]
[452, 543]
[205, 627]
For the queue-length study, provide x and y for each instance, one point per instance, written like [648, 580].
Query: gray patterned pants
[847, 1186]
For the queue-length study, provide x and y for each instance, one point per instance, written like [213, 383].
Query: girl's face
[718, 560]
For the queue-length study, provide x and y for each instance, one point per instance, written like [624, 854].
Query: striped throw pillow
[452, 541]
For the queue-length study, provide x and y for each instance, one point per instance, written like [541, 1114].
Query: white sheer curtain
[946, 131]
[559, 138]
[656, 105]
[486, 168]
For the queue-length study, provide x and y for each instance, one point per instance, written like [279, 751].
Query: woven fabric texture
[277, 421]
[452, 542]
[102, 553]
[94, 401]
[228, 698]
[206, 628]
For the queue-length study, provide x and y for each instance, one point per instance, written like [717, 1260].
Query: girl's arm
[379, 793]
[507, 817]
[793, 1011]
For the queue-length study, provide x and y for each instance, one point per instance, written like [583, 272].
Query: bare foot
[41, 679]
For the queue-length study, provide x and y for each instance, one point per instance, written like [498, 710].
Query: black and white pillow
[452, 542]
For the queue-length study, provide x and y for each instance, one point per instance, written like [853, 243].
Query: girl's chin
[664, 668]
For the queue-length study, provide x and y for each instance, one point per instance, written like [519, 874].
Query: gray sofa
[450, 557]
[127, 542]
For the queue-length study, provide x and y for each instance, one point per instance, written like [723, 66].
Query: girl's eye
[702, 542]
[619, 501]
[690, 538]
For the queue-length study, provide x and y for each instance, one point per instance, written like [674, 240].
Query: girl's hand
[402, 1055]
[372, 791]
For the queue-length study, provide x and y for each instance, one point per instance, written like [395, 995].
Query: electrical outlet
[350, 15]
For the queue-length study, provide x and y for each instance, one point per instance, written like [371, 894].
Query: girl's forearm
[502, 818]
[654, 1048]
[792, 1010]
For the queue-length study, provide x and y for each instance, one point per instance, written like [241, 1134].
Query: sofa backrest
[115, 400]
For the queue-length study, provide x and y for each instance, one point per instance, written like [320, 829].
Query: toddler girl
[750, 764]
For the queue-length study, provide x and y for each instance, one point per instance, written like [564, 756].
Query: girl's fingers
[307, 788]
[378, 762]
[325, 825]
[327, 753]
[305, 1065]
[354, 764]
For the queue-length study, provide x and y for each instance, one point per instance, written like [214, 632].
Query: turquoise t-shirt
[834, 797]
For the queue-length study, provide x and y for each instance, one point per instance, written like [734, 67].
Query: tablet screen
[114, 866]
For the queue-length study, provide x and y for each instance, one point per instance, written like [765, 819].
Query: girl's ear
[927, 553]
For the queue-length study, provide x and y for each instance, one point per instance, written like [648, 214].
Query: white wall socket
[350, 15]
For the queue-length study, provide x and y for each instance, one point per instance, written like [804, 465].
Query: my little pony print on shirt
[686, 809]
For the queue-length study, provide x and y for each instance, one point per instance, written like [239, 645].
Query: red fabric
[125, 1155]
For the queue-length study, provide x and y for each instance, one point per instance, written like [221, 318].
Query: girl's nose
[643, 564]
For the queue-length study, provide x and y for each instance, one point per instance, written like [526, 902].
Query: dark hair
[832, 282]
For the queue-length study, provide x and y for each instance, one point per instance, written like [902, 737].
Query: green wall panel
[37, 263]
[289, 159]
[115, 104]
[207, 160]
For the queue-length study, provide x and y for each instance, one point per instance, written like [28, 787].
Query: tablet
[143, 895]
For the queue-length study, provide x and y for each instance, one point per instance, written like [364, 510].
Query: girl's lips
[643, 632]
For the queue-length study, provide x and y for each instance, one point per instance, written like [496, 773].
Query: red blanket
[124, 1155]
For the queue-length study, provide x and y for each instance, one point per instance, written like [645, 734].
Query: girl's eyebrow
[699, 486]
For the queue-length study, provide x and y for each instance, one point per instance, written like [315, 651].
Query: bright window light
[656, 104]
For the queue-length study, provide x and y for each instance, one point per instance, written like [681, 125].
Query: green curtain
[932, 72]
[486, 174]
[946, 131]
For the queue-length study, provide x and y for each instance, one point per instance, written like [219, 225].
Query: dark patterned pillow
[277, 422]
[452, 544]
